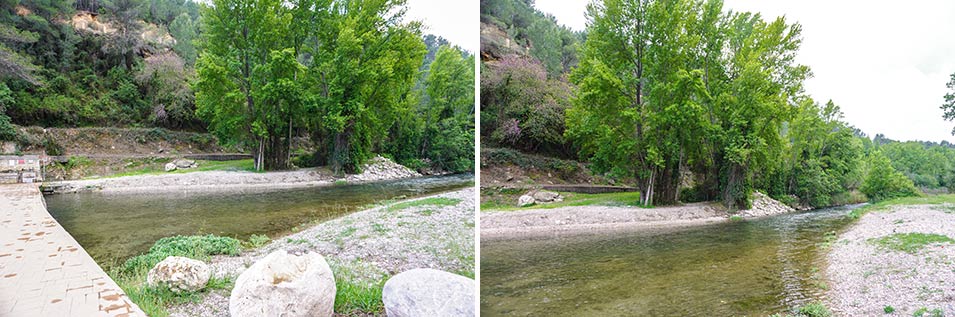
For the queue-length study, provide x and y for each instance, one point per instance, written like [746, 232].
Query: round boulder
[428, 292]
[525, 201]
[283, 284]
[170, 167]
[179, 274]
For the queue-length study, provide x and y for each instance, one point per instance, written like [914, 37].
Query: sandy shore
[377, 169]
[368, 245]
[865, 278]
[604, 219]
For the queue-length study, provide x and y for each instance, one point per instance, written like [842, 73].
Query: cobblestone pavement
[43, 270]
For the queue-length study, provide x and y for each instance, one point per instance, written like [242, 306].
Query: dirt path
[866, 277]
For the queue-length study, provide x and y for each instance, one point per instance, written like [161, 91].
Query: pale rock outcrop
[180, 274]
[283, 284]
[428, 292]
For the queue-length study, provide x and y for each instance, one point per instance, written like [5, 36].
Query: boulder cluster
[180, 164]
[539, 197]
[284, 284]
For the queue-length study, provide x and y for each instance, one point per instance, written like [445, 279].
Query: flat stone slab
[43, 270]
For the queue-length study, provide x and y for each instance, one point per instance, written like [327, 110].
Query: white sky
[456, 21]
[885, 64]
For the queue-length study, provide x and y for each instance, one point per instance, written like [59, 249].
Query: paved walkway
[43, 271]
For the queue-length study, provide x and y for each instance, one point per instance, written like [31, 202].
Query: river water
[114, 227]
[749, 268]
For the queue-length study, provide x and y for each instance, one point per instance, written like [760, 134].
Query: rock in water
[428, 292]
[546, 196]
[525, 201]
[170, 167]
[286, 285]
[179, 274]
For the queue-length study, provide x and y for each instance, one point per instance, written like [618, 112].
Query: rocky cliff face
[90, 23]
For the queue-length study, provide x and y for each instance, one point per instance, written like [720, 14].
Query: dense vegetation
[256, 73]
[692, 102]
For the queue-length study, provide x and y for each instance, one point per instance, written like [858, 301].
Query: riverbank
[595, 218]
[367, 247]
[377, 169]
[899, 259]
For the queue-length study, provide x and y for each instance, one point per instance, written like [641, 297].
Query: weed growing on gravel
[888, 309]
[258, 240]
[910, 242]
[921, 312]
[358, 289]
[379, 228]
[736, 218]
[131, 275]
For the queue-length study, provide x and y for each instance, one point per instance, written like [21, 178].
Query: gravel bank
[368, 244]
[865, 278]
[588, 219]
[377, 169]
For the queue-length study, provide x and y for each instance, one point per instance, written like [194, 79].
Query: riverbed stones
[525, 200]
[428, 292]
[180, 274]
[283, 284]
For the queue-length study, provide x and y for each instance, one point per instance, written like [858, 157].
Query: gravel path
[865, 278]
[589, 219]
[377, 169]
[368, 244]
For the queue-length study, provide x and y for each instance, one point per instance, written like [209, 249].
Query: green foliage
[434, 201]
[888, 309]
[195, 247]
[258, 240]
[814, 310]
[448, 135]
[884, 182]
[910, 242]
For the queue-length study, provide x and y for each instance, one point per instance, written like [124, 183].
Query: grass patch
[433, 201]
[736, 218]
[358, 289]
[379, 228]
[131, 275]
[204, 166]
[910, 242]
[571, 200]
[886, 204]
[937, 312]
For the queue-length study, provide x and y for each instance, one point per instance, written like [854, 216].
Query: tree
[449, 125]
[13, 64]
[183, 29]
[166, 80]
[884, 182]
[365, 64]
[948, 107]
[126, 42]
[239, 38]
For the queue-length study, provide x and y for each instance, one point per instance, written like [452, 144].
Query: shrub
[884, 182]
[258, 240]
[52, 148]
[195, 247]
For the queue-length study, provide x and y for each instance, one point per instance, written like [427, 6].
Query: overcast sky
[885, 65]
[456, 21]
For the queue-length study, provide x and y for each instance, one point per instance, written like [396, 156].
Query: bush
[51, 147]
[258, 240]
[7, 131]
[884, 182]
[195, 247]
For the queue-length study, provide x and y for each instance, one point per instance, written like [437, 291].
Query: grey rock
[428, 292]
[180, 274]
[525, 201]
[286, 285]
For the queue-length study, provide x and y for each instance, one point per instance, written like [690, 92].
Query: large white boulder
[170, 167]
[283, 284]
[525, 200]
[179, 274]
[428, 292]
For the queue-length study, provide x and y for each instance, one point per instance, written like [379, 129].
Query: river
[748, 268]
[114, 227]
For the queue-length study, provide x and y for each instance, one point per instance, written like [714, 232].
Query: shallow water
[113, 227]
[750, 268]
